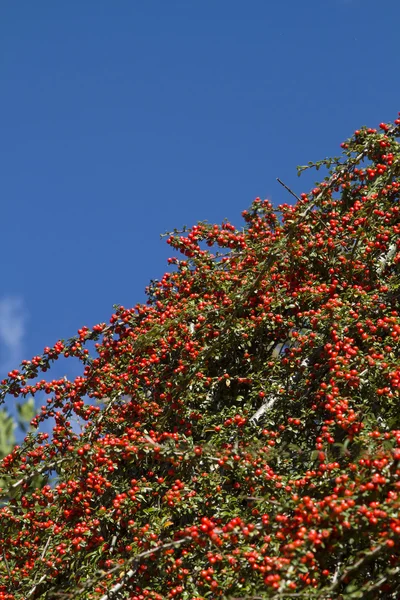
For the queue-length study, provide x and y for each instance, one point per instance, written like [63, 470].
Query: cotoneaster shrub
[242, 429]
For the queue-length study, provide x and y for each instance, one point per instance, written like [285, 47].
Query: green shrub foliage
[8, 425]
[240, 431]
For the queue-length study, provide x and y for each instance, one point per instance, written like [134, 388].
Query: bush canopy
[240, 432]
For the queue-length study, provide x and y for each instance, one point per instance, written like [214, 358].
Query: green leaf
[26, 412]
[7, 437]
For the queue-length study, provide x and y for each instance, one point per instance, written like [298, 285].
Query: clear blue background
[121, 120]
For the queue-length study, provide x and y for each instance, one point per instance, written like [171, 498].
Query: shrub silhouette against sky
[241, 431]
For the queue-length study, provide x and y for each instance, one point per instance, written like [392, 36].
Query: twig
[45, 548]
[113, 542]
[298, 199]
[288, 189]
[336, 574]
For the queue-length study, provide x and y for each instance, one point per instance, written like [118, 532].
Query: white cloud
[13, 317]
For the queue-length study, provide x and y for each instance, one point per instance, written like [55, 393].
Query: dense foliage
[241, 431]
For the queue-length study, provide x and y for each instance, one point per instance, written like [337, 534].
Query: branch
[26, 478]
[33, 590]
[128, 575]
[7, 567]
[115, 589]
[357, 566]
[263, 408]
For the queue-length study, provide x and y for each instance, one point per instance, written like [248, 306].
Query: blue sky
[121, 120]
